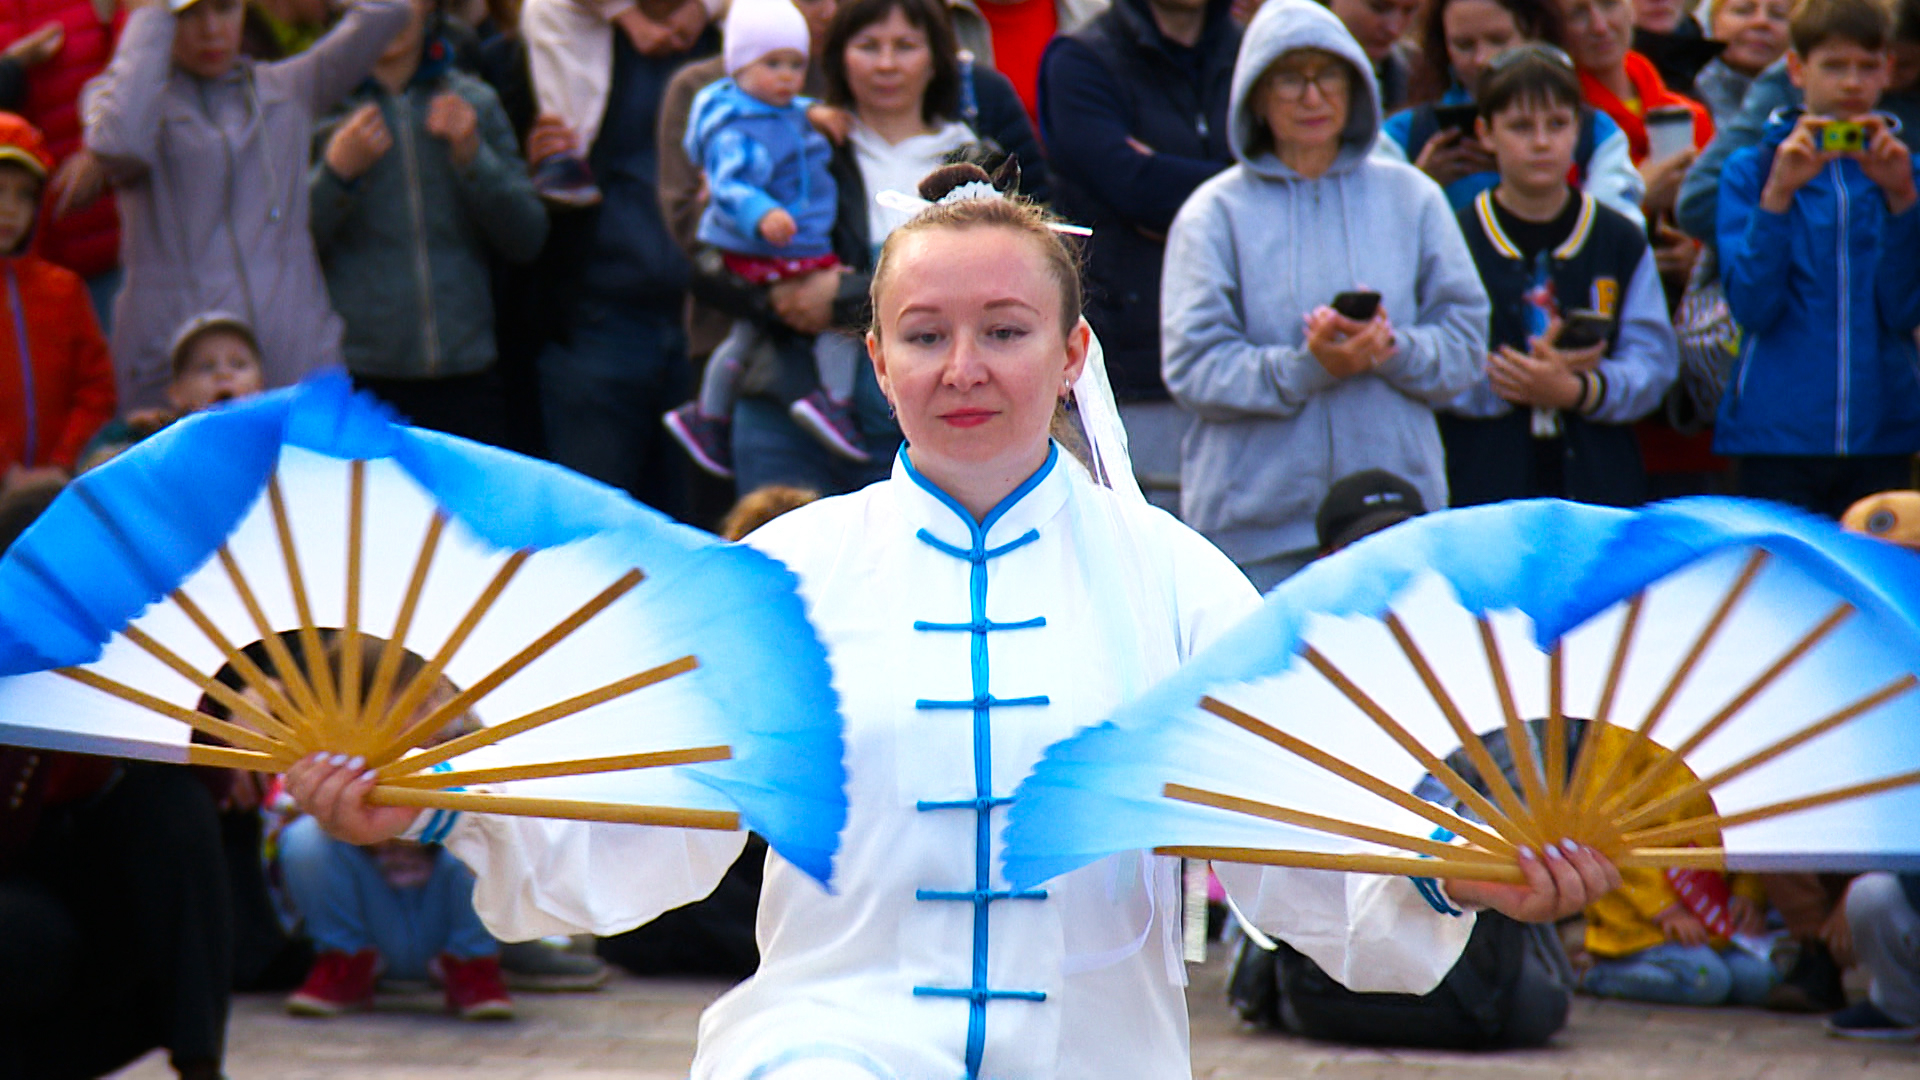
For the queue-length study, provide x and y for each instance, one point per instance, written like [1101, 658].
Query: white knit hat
[758, 27]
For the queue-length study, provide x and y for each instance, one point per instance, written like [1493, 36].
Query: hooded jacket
[56, 381]
[1255, 250]
[1828, 297]
[212, 181]
[406, 247]
[760, 158]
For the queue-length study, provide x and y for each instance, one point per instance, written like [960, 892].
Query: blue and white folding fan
[621, 667]
[1755, 667]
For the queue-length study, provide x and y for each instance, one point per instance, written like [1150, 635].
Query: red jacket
[88, 243]
[57, 391]
[1653, 94]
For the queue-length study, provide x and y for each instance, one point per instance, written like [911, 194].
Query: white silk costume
[960, 653]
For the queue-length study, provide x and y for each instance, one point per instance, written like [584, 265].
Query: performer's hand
[334, 790]
[1557, 886]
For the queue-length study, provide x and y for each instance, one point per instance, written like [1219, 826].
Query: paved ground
[643, 1030]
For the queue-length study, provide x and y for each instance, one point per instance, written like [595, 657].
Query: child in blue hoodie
[770, 212]
[1820, 255]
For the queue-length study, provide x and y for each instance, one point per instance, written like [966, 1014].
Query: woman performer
[986, 600]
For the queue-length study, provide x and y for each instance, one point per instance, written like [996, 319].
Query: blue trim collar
[1024, 510]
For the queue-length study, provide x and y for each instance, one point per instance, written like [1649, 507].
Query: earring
[891, 414]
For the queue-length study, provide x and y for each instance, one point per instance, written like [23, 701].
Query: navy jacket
[1828, 297]
[1119, 78]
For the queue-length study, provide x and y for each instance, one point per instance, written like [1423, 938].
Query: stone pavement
[643, 1030]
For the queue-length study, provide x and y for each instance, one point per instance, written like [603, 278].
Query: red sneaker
[475, 988]
[339, 982]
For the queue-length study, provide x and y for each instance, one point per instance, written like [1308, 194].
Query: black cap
[1362, 504]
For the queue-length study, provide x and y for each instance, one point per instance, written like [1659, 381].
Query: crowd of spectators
[1472, 250]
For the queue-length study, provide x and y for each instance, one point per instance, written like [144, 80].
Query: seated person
[398, 909]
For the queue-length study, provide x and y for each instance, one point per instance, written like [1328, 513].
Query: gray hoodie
[1254, 250]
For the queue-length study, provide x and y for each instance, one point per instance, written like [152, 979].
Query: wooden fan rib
[487, 736]
[479, 803]
[251, 673]
[1392, 865]
[1706, 826]
[388, 666]
[1609, 692]
[698, 755]
[1519, 739]
[1691, 858]
[401, 711]
[1315, 756]
[1666, 804]
[310, 644]
[1320, 823]
[198, 721]
[1508, 818]
[1643, 734]
[349, 688]
[1556, 737]
[264, 723]
[285, 666]
[223, 757]
[1647, 781]
[466, 699]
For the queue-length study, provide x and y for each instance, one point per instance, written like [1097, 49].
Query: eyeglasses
[1290, 86]
[1533, 50]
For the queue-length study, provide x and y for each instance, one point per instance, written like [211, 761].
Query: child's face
[1533, 143]
[775, 78]
[1840, 78]
[220, 366]
[206, 39]
[1755, 32]
[19, 201]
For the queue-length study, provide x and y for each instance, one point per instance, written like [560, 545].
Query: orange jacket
[1653, 94]
[56, 379]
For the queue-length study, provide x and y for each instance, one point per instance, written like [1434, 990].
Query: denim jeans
[604, 386]
[1674, 974]
[349, 906]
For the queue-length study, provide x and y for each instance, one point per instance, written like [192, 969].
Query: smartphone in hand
[1359, 305]
[1583, 330]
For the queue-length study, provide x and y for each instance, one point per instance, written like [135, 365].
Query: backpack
[1426, 124]
[1511, 987]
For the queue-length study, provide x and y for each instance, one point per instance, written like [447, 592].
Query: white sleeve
[1374, 934]
[537, 877]
[1612, 178]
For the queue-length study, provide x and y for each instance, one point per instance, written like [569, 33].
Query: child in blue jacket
[1820, 255]
[770, 211]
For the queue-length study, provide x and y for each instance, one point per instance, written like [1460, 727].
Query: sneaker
[708, 440]
[338, 982]
[538, 965]
[565, 181]
[1866, 1021]
[831, 422]
[1812, 986]
[475, 990]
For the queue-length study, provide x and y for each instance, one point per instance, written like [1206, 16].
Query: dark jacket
[620, 252]
[406, 246]
[1116, 79]
[1828, 297]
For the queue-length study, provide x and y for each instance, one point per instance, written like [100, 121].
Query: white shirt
[900, 166]
[901, 972]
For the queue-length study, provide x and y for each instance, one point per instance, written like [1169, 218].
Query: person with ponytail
[993, 595]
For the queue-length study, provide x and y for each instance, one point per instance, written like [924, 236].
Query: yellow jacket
[1622, 922]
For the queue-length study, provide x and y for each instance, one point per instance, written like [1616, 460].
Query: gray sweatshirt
[212, 183]
[1254, 250]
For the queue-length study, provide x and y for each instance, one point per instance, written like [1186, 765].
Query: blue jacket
[758, 159]
[1828, 294]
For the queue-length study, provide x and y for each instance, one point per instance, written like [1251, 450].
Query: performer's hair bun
[937, 184]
